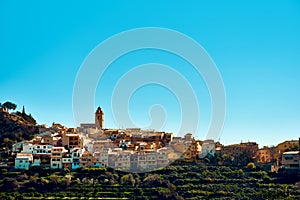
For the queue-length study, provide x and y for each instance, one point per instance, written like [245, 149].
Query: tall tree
[23, 110]
[9, 105]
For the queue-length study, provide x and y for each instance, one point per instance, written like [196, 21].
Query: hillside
[181, 180]
[15, 128]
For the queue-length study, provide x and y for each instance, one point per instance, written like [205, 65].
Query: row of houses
[284, 155]
[60, 147]
[59, 158]
[41, 151]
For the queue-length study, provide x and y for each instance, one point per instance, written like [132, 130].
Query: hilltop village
[134, 149]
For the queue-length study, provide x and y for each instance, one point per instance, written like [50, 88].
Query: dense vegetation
[178, 181]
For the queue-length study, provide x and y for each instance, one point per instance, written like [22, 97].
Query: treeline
[177, 181]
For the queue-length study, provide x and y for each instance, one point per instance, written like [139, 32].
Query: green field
[178, 181]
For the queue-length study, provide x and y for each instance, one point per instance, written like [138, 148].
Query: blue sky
[255, 46]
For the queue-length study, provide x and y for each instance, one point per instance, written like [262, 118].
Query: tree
[9, 105]
[128, 179]
[23, 110]
[54, 180]
[153, 180]
[251, 166]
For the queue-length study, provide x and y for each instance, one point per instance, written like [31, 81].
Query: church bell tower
[99, 118]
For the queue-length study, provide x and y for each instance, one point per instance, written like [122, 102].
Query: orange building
[71, 140]
[264, 155]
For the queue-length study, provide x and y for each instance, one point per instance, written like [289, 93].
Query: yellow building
[264, 155]
[240, 153]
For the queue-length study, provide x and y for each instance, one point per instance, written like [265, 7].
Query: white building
[123, 160]
[88, 128]
[141, 161]
[18, 146]
[162, 157]
[188, 137]
[41, 149]
[103, 155]
[291, 160]
[208, 148]
[151, 160]
[56, 157]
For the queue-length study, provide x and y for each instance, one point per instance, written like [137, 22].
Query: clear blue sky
[255, 45]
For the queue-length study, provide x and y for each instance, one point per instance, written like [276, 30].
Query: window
[288, 157]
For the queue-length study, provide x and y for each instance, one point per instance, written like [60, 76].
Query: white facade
[56, 157]
[123, 161]
[141, 162]
[151, 160]
[43, 149]
[162, 157]
[208, 148]
[291, 160]
[18, 146]
[88, 128]
[89, 147]
[103, 155]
